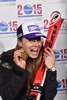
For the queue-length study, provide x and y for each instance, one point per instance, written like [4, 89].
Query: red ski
[54, 26]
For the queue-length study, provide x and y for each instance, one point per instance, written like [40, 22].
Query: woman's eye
[34, 40]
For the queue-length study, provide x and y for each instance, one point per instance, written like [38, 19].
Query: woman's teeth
[34, 50]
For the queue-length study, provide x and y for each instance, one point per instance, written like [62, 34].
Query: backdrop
[15, 12]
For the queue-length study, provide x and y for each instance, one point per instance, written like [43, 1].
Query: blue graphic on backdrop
[28, 9]
[8, 28]
[3, 26]
[59, 84]
[57, 53]
[62, 85]
[60, 55]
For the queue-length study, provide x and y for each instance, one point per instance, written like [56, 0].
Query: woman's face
[32, 46]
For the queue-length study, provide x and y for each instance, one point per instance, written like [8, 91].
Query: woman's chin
[33, 56]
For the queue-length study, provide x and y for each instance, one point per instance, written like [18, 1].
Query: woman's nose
[36, 42]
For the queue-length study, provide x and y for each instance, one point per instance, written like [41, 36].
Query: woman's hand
[49, 58]
[18, 59]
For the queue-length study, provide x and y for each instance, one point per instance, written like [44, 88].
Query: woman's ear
[19, 43]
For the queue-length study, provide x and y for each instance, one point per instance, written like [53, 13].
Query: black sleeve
[50, 86]
[15, 83]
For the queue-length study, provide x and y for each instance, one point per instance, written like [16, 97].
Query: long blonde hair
[32, 65]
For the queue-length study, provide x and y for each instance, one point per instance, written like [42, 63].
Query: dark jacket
[13, 80]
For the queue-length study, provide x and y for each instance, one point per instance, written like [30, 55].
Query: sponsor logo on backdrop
[60, 55]
[62, 85]
[28, 10]
[63, 25]
[10, 27]
[3, 26]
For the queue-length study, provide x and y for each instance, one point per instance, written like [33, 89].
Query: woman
[16, 83]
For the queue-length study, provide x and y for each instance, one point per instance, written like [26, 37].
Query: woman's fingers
[48, 52]
[49, 58]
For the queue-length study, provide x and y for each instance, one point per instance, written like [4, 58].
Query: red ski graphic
[54, 26]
